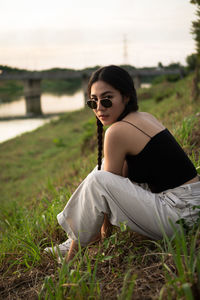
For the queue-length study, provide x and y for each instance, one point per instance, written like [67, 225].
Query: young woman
[145, 180]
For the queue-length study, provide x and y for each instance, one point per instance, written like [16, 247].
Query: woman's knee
[99, 178]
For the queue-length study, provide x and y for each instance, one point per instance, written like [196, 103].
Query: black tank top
[162, 163]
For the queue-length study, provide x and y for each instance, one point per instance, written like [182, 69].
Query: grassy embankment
[39, 171]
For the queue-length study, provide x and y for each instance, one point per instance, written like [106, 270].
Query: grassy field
[40, 170]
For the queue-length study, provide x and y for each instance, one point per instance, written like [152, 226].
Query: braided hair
[100, 142]
[121, 81]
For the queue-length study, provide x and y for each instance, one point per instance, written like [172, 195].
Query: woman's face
[107, 115]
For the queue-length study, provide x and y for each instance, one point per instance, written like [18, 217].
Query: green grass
[183, 278]
[49, 153]
[41, 169]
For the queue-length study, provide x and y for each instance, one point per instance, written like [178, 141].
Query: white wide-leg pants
[123, 201]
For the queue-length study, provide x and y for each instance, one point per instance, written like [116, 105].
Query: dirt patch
[135, 255]
[137, 258]
[131, 254]
[18, 283]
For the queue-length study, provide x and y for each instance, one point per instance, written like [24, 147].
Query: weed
[128, 286]
[71, 282]
[181, 261]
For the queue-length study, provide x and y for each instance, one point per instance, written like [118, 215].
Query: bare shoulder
[122, 138]
[151, 118]
[148, 116]
[145, 121]
[115, 131]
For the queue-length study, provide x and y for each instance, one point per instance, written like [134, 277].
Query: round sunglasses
[106, 102]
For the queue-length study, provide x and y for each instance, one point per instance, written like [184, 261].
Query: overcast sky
[42, 34]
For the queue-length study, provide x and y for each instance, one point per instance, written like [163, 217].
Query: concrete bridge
[32, 81]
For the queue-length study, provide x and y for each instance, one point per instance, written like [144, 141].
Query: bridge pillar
[85, 79]
[137, 82]
[32, 92]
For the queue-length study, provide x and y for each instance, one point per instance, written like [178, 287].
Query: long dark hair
[119, 79]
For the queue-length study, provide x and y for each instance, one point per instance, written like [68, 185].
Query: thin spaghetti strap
[136, 127]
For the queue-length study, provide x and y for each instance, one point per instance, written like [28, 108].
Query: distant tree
[196, 33]
[191, 61]
[160, 65]
[10, 69]
[196, 26]
[174, 65]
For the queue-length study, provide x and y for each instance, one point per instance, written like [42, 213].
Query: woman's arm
[114, 162]
[115, 150]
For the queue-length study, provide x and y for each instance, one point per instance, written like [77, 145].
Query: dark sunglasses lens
[92, 104]
[106, 102]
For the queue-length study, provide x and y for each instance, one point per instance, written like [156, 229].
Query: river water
[51, 104]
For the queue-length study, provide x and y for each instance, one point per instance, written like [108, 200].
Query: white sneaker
[64, 248]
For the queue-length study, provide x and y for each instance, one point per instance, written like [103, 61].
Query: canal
[12, 114]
